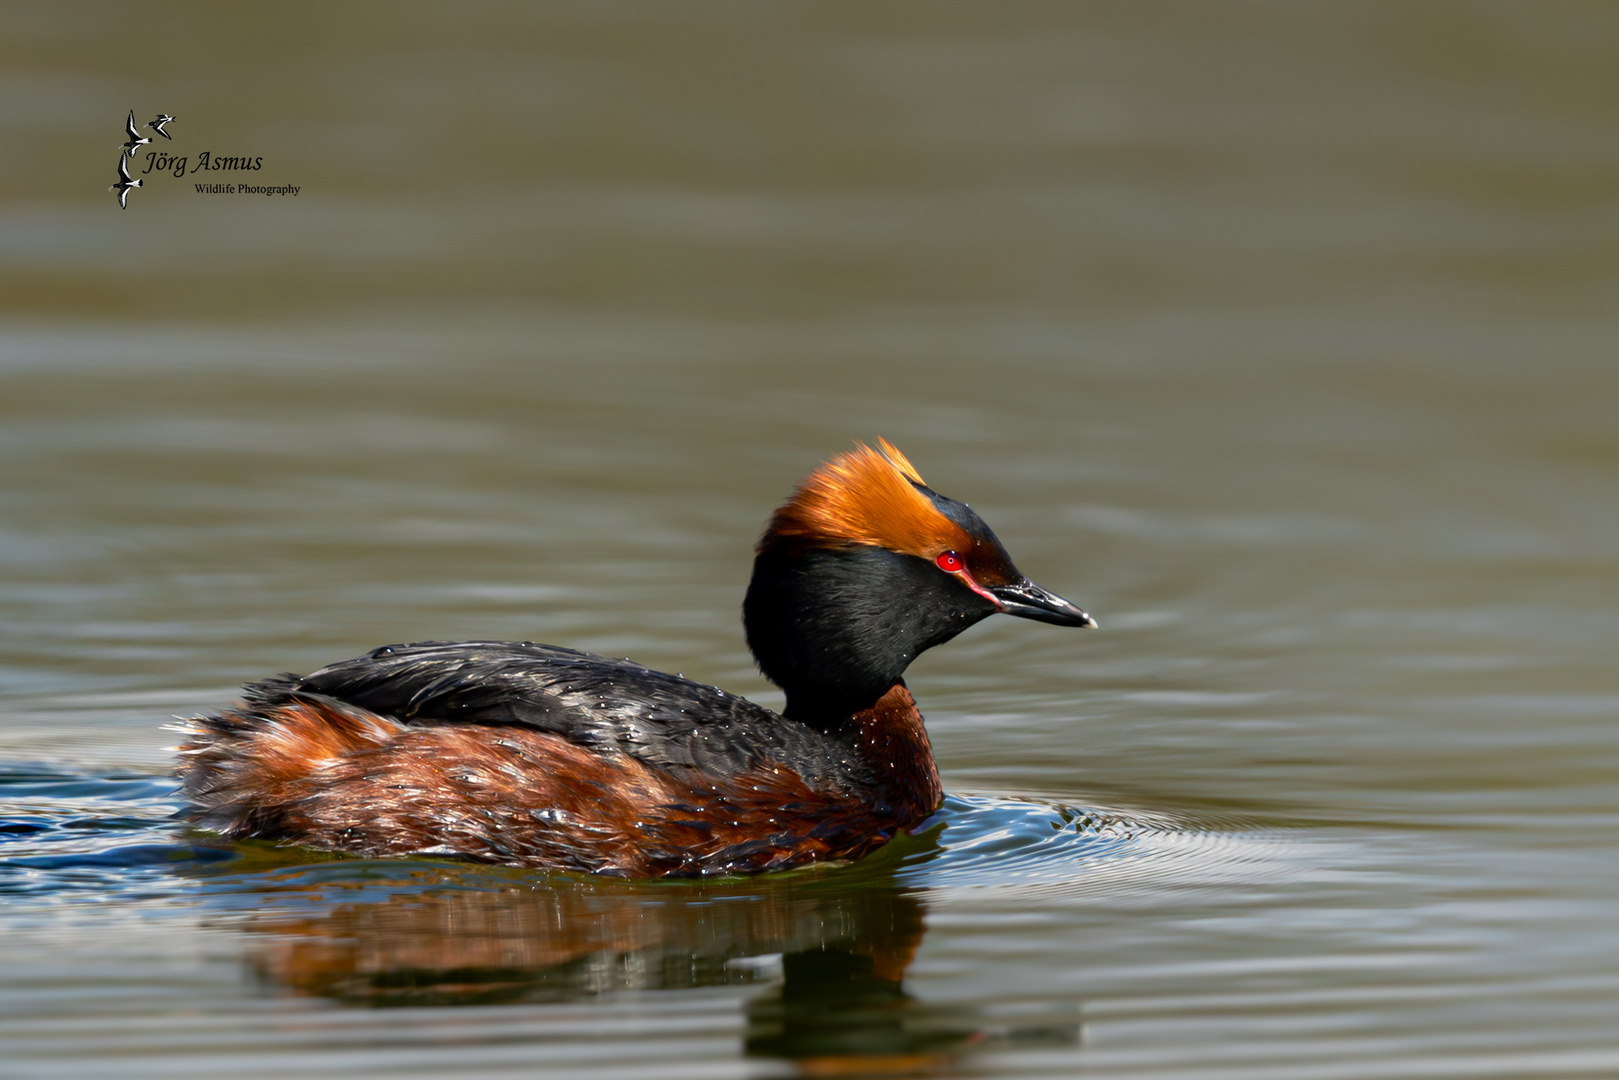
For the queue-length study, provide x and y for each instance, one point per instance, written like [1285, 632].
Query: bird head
[863, 568]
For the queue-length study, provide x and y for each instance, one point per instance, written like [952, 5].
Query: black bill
[1027, 600]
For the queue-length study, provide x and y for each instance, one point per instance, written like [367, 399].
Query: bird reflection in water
[832, 948]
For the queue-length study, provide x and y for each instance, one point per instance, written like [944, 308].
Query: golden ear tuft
[867, 497]
[899, 461]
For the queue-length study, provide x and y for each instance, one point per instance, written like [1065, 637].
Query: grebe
[540, 756]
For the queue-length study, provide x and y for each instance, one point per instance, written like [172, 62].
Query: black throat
[836, 628]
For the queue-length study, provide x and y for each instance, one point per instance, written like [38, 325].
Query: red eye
[950, 563]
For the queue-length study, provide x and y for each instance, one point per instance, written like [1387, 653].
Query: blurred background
[1279, 336]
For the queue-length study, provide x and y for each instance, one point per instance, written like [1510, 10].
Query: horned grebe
[536, 755]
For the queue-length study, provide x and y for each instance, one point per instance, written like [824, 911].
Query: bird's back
[534, 755]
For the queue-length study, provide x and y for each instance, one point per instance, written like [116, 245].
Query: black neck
[836, 628]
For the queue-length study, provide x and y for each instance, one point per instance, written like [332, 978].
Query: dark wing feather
[610, 706]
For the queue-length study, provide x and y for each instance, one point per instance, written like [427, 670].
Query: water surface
[1278, 337]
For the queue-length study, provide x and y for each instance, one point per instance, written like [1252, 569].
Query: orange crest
[865, 497]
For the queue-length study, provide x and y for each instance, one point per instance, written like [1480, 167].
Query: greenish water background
[1280, 337]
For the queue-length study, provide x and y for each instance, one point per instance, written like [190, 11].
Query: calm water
[1281, 337]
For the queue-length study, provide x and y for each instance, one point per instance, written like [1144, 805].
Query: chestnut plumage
[536, 755]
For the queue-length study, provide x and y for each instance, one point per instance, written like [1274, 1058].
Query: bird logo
[124, 184]
[136, 139]
[127, 153]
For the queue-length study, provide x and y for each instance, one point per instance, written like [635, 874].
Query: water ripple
[988, 841]
[62, 834]
[65, 836]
